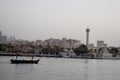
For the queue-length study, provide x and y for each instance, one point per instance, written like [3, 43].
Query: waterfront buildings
[52, 47]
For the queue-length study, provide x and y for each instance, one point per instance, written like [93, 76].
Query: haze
[43, 19]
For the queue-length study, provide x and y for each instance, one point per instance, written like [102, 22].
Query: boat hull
[24, 61]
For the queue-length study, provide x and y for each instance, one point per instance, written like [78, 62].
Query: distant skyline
[43, 19]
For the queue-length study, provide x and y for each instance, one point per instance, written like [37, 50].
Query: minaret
[87, 36]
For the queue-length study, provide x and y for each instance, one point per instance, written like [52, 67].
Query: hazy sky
[42, 19]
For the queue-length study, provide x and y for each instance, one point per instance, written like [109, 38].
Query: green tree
[3, 47]
[81, 49]
[114, 51]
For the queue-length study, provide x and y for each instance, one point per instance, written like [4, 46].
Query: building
[91, 46]
[53, 42]
[101, 44]
[3, 39]
[64, 42]
[11, 38]
[43, 43]
[38, 42]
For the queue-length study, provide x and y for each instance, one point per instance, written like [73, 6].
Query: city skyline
[68, 43]
[32, 20]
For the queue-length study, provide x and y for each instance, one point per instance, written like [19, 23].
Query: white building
[91, 46]
[53, 42]
[64, 42]
[11, 38]
[101, 44]
[43, 43]
[38, 42]
[3, 39]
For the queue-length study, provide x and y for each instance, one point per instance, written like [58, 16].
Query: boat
[23, 61]
[16, 61]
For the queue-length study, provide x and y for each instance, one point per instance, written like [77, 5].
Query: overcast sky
[43, 19]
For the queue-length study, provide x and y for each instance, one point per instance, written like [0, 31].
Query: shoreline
[39, 55]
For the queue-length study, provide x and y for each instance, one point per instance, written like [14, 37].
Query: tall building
[87, 36]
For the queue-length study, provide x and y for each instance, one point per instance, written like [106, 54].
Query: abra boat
[24, 61]
[20, 61]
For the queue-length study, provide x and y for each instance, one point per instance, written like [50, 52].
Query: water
[60, 69]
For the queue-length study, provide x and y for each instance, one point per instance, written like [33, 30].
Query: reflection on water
[60, 69]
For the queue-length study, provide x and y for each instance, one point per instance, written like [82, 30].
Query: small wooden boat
[16, 61]
[20, 61]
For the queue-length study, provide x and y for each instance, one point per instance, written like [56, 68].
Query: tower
[87, 36]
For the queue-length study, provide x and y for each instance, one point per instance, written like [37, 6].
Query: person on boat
[16, 56]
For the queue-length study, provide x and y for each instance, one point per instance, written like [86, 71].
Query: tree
[3, 47]
[114, 51]
[81, 49]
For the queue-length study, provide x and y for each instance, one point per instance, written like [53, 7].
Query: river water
[60, 69]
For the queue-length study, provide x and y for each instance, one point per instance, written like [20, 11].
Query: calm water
[60, 69]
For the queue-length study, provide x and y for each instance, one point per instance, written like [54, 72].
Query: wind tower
[87, 36]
